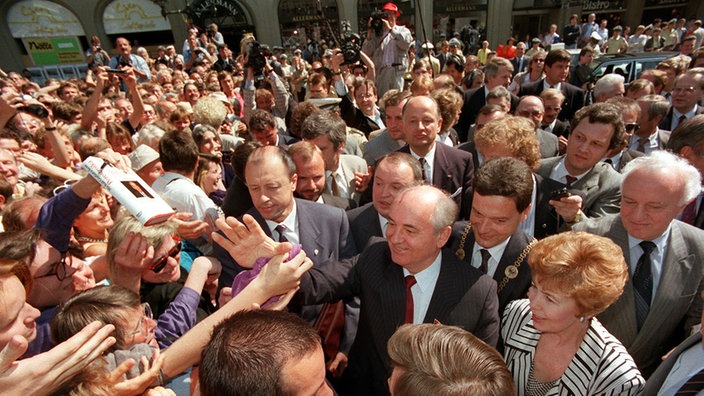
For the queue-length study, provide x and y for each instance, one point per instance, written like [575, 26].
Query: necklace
[86, 239]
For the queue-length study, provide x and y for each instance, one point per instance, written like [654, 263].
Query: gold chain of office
[511, 271]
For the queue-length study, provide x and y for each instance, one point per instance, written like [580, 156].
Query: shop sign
[40, 18]
[54, 51]
[133, 16]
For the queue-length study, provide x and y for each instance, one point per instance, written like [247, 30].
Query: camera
[351, 46]
[124, 62]
[559, 194]
[35, 109]
[377, 23]
[257, 58]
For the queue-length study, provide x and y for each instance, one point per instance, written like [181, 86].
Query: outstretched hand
[246, 242]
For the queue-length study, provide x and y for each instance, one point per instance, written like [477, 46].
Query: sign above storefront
[54, 51]
[40, 18]
[133, 16]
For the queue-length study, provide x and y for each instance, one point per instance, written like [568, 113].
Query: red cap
[391, 7]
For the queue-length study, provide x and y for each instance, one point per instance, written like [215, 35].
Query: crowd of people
[400, 221]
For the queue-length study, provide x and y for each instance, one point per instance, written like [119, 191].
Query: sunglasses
[632, 127]
[160, 263]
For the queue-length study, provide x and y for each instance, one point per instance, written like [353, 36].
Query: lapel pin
[315, 252]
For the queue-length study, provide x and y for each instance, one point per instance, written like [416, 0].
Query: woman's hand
[139, 384]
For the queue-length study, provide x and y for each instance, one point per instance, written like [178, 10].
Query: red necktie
[410, 281]
[570, 179]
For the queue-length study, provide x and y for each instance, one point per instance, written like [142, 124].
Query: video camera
[257, 58]
[377, 23]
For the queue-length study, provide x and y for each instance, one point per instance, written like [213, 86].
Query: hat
[455, 43]
[161, 48]
[283, 56]
[536, 40]
[672, 21]
[456, 34]
[220, 96]
[443, 35]
[142, 156]
[595, 36]
[325, 103]
[328, 53]
[391, 7]
[297, 52]
[619, 28]
[427, 45]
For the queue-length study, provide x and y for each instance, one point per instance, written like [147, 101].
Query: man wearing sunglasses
[630, 113]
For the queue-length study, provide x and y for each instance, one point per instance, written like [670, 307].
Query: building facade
[53, 35]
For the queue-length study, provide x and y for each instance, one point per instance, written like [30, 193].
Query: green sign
[54, 51]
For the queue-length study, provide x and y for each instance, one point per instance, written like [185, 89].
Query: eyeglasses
[60, 268]
[632, 127]
[146, 313]
[160, 263]
[538, 60]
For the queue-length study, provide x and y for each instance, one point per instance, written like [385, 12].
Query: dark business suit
[364, 224]
[237, 199]
[354, 117]
[516, 62]
[601, 187]
[453, 170]
[474, 100]
[285, 140]
[666, 122]
[677, 303]
[513, 289]
[561, 128]
[656, 380]
[462, 297]
[338, 202]
[574, 97]
[547, 221]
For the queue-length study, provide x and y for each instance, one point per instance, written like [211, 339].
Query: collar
[560, 171]
[430, 157]
[427, 278]
[290, 222]
[546, 85]
[691, 113]
[659, 242]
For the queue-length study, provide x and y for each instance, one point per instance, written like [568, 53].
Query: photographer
[96, 54]
[127, 58]
[214, 36]
[387, 44]
[194, 54]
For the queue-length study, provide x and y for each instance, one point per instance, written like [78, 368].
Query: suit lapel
[447, 293]
[441, 178]
[309, 233]
[676, 268]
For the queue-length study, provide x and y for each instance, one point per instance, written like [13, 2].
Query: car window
[622, 68]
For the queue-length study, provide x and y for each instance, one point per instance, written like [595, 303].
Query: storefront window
[305, 23]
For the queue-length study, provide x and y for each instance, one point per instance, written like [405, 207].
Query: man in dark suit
[531, 107]
[445, 167]
[686, 95]
[492, 240]
[322, 230]
[486, 113]
[419, 226]
[310, 169]
[553, 99]
[688, 143]
[394, 172]
[514, 137]
[595, 185]
[445, 289]
[496, 72]
[619, 157]
[557, 68]
[661, 302]
[520, 61]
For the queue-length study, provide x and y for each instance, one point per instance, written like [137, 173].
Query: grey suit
[380, 146]
[677, 305]
[548, 144]
[601, 187]
[660, 375]
[350, 164]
